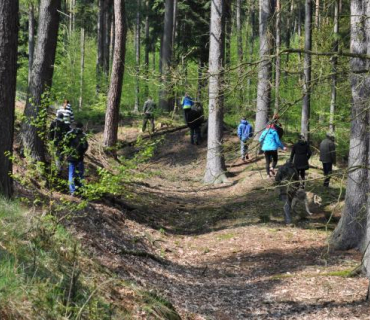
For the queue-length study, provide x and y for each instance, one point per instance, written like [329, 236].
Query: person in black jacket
[76, 147]
[301, 153]
[57, 132]
[195, 119]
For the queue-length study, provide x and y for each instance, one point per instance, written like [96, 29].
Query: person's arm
[262, 137]
[278, 142]
[251, 132]
[145, 106]
[239, 131]
[333, 153]
[309, 152]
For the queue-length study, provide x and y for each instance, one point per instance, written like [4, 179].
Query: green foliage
[41, 271]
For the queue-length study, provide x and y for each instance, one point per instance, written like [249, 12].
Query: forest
[184, 159]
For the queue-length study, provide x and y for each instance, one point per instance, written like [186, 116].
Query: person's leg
[268, 160]
[274, 155]
[79, 174]
[145, 120]
[242, 149]
[192, 135]
[246, 151]
[71, 177]
[327, 168]
[58, 161]
[152, 123]
[198, 136]
[302, 173]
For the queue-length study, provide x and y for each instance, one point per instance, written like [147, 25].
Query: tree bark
[82, 68]
[350, 230]
[334, 67]
[277, 59]
[239, 34]
[137, 56]
[31, 39]
[264, 72]
[147, 49]
[33, 127]
[107, 38]
[8, 73]
[317, 14]
[101, 33]
[306, 106]
[215, 167]
[115, 88]
[166, 55]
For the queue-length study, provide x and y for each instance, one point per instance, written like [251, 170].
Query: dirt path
[228, 254]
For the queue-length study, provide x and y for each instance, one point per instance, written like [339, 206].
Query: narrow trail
[222, 261]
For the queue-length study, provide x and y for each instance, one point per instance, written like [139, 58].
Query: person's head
[65, 102]
[330, 135]
[150, 98]
[79, 125]
[276, 116]
[301, 137]
[244, 118]
[186, 94]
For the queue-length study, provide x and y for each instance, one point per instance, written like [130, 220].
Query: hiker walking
[148, 113]
[76, 147]
[270, 143]
[301, 153]
[194, 121]
[327, 156]
[186, 104]
[57, 132]
[66, 111]
[245, 131]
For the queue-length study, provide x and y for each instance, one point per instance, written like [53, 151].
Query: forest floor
[224, 250]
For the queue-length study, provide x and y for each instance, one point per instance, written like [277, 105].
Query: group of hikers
[193, 116]
[70, 143]
[270, 142]
[292, 175]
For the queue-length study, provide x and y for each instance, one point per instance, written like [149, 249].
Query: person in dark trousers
[327, 156]
[76, 147]
[195, 119]
[148, 112]
[57, 132]
[245, 131]
[186, 104]
[301, 153]
[270, 143]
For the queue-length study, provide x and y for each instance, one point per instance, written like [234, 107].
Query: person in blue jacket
[270, 143]
[245, 131]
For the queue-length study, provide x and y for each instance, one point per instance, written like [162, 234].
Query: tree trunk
[82, 70]
[33, 127]
[228, 29]
[115, 88]
[107, 38]
[215, 167]
[277, 60]
[334, 67]
[317, 14]
[166, 54]
[350, 230]
[113, 37]
[264, 72]
[8, 73]
[305, 121]
[101, 33]
[174, 27]
[239, 35]
[147, 49]
[137, 56]
[31, 39]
